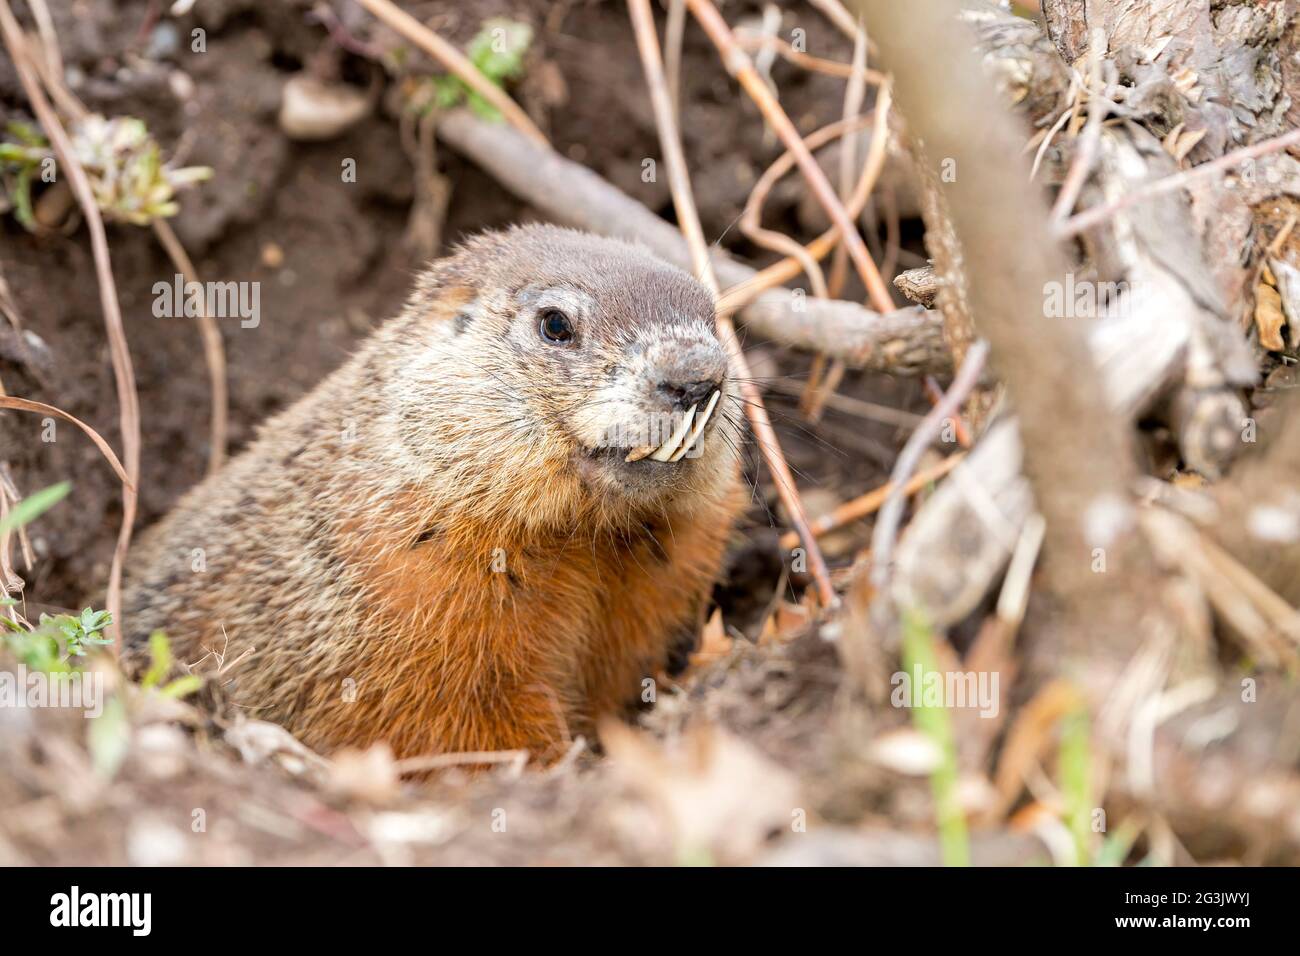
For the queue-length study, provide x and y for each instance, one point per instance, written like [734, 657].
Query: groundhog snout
[688, 375]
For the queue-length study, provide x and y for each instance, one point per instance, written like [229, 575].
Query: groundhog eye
[556, 327]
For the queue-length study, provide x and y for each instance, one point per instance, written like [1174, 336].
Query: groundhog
[490, 527]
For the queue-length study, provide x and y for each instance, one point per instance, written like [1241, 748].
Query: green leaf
[33, 506]
[182, 686]
[27, 133]
[160, 654]
[919, 655]
[109, 737]
[498, 49]
[22, 197]
[483, 108]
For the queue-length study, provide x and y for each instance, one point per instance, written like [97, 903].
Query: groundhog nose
[686, 394]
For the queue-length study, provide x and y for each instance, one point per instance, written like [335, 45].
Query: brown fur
[427, 528]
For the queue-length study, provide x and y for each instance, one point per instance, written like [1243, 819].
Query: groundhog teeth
[636, 454]
[665, 451]
[698, 430]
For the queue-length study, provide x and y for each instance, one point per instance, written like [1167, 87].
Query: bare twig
[214, 352]
[751, 217]
[40, 408]
[854, 94]
[868, 504]
[814, 64]
[838, 15]
[741, 294]
[1099, 214]
[674, 32]
[129, 411]
[819, 386]
[886, 529]
[455, 61]
[688, 218]
[738, 64]
[1091, 138]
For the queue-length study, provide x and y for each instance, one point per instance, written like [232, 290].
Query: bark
[1234, 58]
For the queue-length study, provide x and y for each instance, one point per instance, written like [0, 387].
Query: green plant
[20, 163]
[161, 659]
[497, 51]
[1076, 781]
[33, 506]
[919, 655]
[123, 162]
[56, 639]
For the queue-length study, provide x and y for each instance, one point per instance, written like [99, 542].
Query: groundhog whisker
[794, 422]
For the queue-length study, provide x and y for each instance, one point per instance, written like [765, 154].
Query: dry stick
[40, 408]
[935, 394]
[455, 61]
[129, 411]
[753, 211]
[674, 33]
[214, 353]
[838, 15]
[868, 504]
[1091, 139]
[738, 64]
[814, 398]
[856, 407]
[752, 215]
[886, 529]
[1099, 214]
[738, 296]
[854, 94]
[213, 350]
[814, 64]
[49, 38]
[689, 220]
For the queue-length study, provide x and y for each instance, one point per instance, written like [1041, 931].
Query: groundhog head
[568, 375]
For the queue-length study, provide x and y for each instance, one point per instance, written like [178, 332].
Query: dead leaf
[715, 793]
[1187, 142]
[1027, 740]
[1288, 286]
[715, 642]
[370, 775]
[785, 623]
[259, 741]
[1269, 319]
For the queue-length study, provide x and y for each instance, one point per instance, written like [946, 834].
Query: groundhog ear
[442, 296]
[455, 304]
